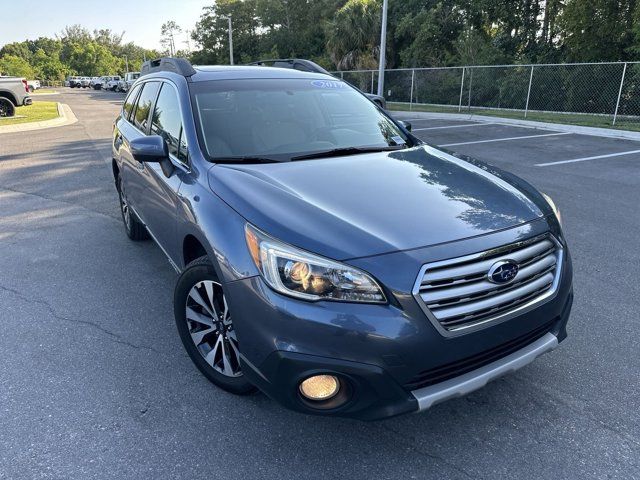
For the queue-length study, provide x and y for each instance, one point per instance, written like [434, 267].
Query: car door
[159, 198]
[136, 125]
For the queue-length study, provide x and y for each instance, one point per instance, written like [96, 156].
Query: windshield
[286, 118]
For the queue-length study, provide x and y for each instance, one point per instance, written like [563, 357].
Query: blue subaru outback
[326, 256]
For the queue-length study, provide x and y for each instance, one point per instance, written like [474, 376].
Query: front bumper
[471, 381]
[391, 356]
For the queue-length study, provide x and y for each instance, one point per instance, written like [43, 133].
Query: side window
[129, 102]
[143, 105]
[167, 122]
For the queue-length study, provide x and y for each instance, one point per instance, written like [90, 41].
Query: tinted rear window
[144, 103]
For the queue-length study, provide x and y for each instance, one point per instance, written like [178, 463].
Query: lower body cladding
[377, 361]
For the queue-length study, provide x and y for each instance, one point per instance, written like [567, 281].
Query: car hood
[369, 204]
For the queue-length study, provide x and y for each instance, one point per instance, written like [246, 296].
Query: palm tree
[353, 34]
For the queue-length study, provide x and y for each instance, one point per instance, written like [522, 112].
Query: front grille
[455, 369]
[457, 294]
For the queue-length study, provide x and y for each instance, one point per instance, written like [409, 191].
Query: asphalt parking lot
[94, 382]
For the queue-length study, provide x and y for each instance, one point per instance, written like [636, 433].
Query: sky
[139, 19]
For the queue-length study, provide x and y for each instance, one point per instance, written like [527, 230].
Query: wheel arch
[9, 96]
[192, 249]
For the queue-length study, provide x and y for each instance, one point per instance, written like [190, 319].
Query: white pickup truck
[125, 84]
[14, 92]
[111, 83]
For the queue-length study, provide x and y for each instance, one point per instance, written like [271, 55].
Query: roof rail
[295, 63]
[168, 64]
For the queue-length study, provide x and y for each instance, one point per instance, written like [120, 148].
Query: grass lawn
[37, 112]
[600, 121]
[43, 91]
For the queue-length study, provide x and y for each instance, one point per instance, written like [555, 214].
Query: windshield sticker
[328, 84]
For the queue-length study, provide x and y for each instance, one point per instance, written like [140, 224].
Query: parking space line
[454, 126]
[506, 139]
[584, 159]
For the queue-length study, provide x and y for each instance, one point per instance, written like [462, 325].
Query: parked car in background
[14, 92]
[85, 82]
[33, 85]
[74, 82]
[129, 78]
[92, 83]
[305, 65]
[111, 83]
[99, 82]
[325, 254]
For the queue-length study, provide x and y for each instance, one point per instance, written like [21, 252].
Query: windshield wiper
[245, 159]
[338, 152]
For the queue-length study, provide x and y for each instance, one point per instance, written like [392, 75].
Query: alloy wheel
[211, 328]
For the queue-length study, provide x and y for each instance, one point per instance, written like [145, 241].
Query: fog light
[320, 387]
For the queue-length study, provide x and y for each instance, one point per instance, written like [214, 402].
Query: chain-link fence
[597, 94]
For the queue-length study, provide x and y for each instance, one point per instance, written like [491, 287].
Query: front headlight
[301, 274]
[553, 206]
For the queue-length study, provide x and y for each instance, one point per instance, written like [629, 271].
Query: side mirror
[406, 125]
[151, 149]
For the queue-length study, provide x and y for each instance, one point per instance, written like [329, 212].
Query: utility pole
[126, 59]
[230, 39]
[383, 48]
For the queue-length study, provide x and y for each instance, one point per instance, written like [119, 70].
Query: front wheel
[205, 325]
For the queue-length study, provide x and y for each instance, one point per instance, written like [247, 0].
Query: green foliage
[352, 35]
[76, 51]
[344, 34]
[15, 67]
[599, 30]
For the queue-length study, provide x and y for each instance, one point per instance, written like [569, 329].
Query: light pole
[383, 48]
[230, 40]
[126, 59]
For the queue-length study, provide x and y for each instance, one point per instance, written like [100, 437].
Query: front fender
[219, 229]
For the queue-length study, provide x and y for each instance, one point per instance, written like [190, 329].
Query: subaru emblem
[503, 272]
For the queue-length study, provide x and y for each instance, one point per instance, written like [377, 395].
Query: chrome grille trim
[457, 297]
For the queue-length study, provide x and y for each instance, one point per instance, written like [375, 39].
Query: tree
[168, 32]
[17, 49]
[353, 35]
[16, 67]
[598, 30]
[212, 32]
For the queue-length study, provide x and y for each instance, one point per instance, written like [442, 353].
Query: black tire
[135, 229]
[7, 108]
[195, 272]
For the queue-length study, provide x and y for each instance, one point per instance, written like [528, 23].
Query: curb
[556, 127]
[66, 117]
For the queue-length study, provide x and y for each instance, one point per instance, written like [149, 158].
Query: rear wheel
[135, 229]
[7, 109]
[205, 325]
